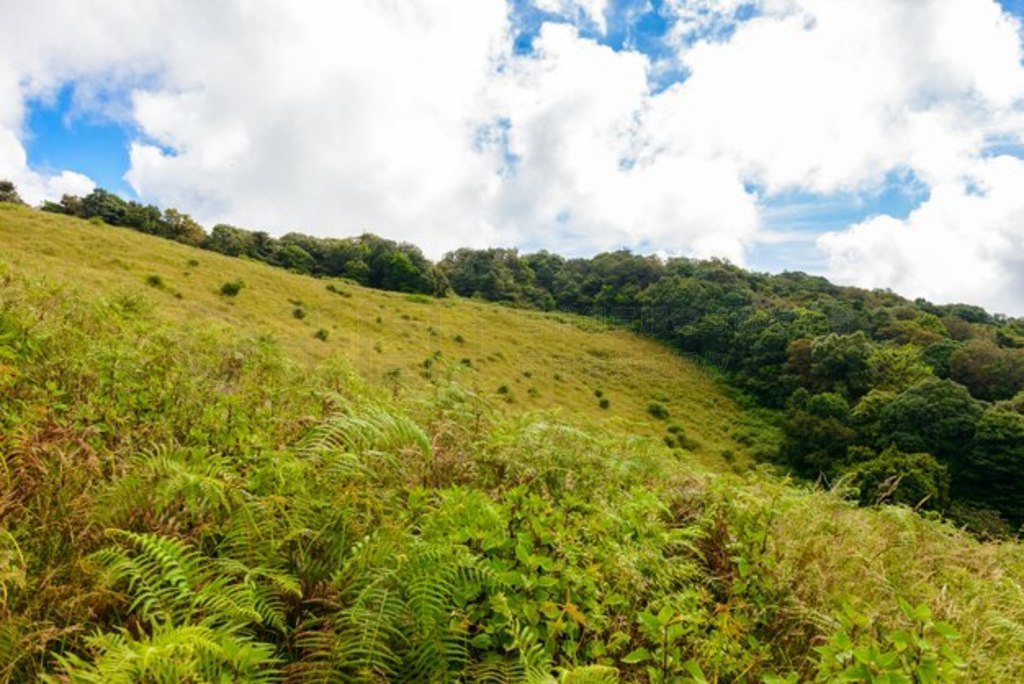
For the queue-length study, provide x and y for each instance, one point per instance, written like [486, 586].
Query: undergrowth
[182, 504]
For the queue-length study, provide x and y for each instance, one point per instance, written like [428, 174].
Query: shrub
[299, 313]
[598, 393]
[604, 403]
[657, 410]
[467, 362]
[193, 263]
[909, 479]
[155, 281]
[9, 193]
[231, 288]
[459, 339]
[503, 389]
[321, 334]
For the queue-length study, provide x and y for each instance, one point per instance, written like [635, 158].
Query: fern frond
[374, 436]
[157, 572]
[172, 654]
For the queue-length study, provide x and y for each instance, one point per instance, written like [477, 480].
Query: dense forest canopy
[912, 401]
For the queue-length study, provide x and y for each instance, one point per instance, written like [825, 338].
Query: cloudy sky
[878, 142]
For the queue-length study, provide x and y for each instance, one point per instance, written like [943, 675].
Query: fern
[373, 440]
[171, 654]
[158, 574]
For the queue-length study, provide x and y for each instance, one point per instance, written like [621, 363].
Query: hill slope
[530, 360]
[183, 499]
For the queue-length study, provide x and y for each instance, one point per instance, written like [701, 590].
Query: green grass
[195, 489]
[381, 333]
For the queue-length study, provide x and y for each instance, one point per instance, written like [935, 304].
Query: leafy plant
[657, 410]
[231, 288]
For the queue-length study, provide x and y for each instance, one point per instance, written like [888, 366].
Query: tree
[937, 356]
[181, 227]
[106, 205]
[817, 434]
[759, 352]
[840, 362]
[995, 470]
[497, 275]
[935, 416]
[294, 258]
[9, 193]
[896, 368]
[229, 240]
[899, 478]
[989, 372]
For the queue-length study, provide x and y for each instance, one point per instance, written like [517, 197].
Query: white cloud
[416, 120]
[965, 243]
[587, 172]
[591, 10]
[829, 95]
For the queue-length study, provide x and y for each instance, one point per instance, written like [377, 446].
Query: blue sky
[676, 126]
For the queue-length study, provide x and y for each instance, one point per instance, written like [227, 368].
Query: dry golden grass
[530, 360]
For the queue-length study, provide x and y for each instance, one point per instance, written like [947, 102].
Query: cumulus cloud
[965, 243]
[417, 120]
[831, 97]
[586, 171]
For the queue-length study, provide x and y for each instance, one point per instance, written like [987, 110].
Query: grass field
[530, 360]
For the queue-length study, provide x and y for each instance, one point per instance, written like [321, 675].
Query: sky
[877, 142]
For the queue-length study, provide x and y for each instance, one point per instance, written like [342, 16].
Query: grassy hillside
[185, 497]
[526, 359]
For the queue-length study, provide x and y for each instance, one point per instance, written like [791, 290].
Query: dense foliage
[181, 504]
[870, 384]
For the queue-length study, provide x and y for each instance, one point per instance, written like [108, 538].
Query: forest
[918, 403]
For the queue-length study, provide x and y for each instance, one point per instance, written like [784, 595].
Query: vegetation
[368, 329]
[199, 489]
[192, 505]
[826, 356]
[231, 288]
[9, 193]
[853, 374]
[368, 260]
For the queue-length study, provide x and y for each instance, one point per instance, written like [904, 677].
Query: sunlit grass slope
[522, 359]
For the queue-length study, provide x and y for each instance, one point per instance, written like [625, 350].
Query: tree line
[368, 259]
[910, 401]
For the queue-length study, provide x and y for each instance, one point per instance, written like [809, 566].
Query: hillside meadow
[526, 359]
[198, 488]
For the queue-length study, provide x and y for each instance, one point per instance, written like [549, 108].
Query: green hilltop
[217, 470]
